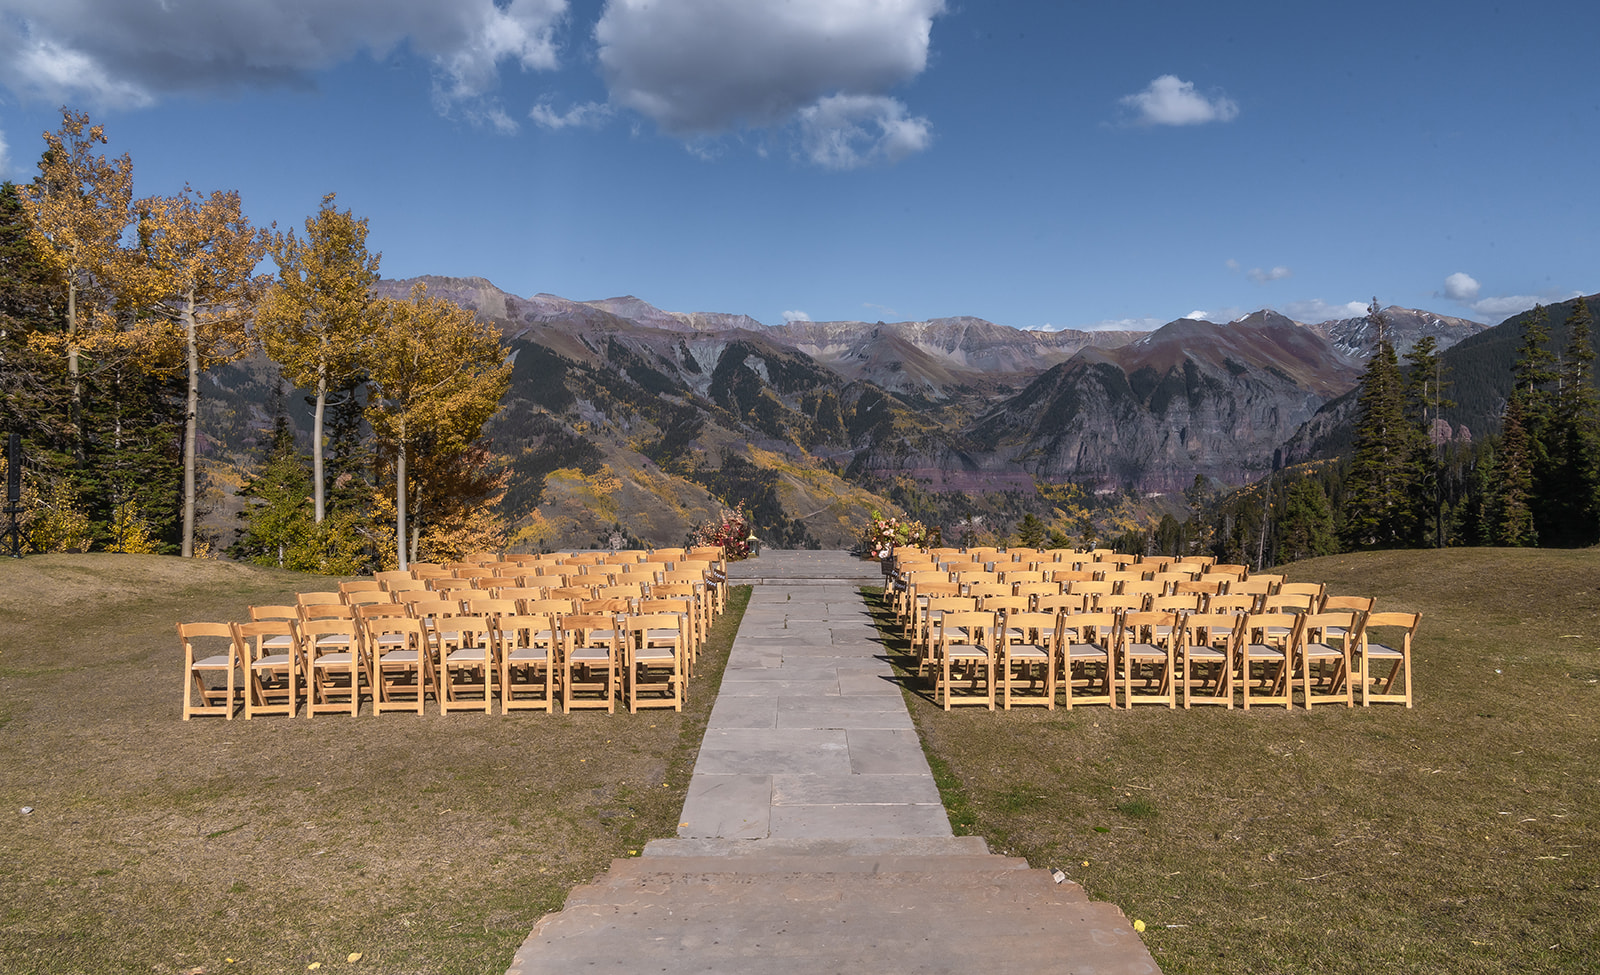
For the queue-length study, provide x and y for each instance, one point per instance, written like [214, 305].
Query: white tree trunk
[318, 491]
[191, 410]
[400, 500]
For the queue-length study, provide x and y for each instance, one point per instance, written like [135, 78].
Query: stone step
[1004, 920]
[844, 847]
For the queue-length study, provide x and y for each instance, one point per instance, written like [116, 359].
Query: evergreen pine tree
[1571, 508]
[1427, 379]
[1306, 528]
[1510, 511]
[1380, 500]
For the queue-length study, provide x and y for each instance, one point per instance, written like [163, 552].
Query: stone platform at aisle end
[812, 838]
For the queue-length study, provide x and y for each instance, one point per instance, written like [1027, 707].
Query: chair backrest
[274, 613]
[1121, 604]
[666, 604]
[1208, 587]
[1254, 586]
[625, 590]
[361, 585]
[519, 592]
[317, 598]
[951, 604]
[1096, 628]
[1361, 604]
[413, 630]
[1291, 603]
[1061, 602]
[1004, 604]
[1190, 602]
[1405, 623]
[1143, 587]
[526, 630]
[1072, 575]
[407, 584]
[965, 626]
[612, 605]
[1352, 622]
[1256, 626]
[1033, 590]
[1022, 576]
[582, 627]
[982, 589]
[569, 592]
[392, 575]
[1029, 627]
[548, 607]
[1316, 590]
[1232, 602]
[1203, 629]
[433, 609]
[251, 638]
[384, 611]
[327, 611]
[1150, 627]
[1227, 569]
[490, 607]
[368, 598]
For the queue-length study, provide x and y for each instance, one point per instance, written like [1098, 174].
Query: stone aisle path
[812, 838]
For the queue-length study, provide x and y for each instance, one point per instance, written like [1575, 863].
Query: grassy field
[1461, 836]
[423, 844]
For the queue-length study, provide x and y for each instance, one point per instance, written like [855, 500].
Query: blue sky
[1035, 164]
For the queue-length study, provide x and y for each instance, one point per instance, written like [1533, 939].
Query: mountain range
[816, 423]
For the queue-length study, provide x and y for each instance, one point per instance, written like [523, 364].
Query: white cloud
[1461, 287]
[120, 54]
[1496, 310]
[1261, 276]
[1107, 325]
[5, 157]
[1314, 311]
[850, 131]
[1172, 101]
[1199, 316]
[701, 67]
[794, 315]
[587, 115]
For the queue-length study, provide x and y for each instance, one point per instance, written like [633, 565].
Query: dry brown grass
[426, 844]
[1461, 836]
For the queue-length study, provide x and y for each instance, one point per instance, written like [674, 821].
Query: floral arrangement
[731, 531]
[882, 535]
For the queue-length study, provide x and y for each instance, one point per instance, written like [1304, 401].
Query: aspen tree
[313, 320]
[78, 208]
[196, 275]
[436, 375]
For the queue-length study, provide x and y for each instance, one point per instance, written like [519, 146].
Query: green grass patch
[1460, 836]
[426, 843]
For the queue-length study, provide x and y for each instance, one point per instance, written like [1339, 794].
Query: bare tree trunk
[191, 411]
[400, 500]
[75, 405]
[318, 491]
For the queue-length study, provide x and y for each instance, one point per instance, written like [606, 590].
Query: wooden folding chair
[962, 643]
[402, 663]
[1147, 651]
[1271, 641]
[1324, 655]
[529, 655]
[1397, 631]
[209, 650]
[591, 649]
[1208, 658]
[269, 652]
[654, 660]
[467, 664]
[1027, 644]
[331, 658]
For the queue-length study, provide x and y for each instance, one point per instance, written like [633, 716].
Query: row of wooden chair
[393, 641]
[1132, 657]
